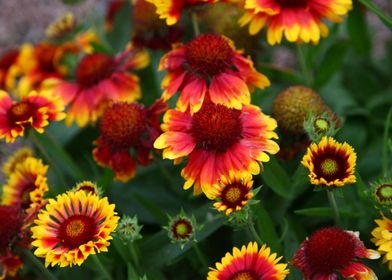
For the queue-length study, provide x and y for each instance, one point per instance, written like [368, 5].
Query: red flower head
[209, 66]
[171, 9]
[7, 59]
[11, 221]
[217, 140]
[100, 79]
[124, 126]
[10, 265]
[34, 110]
[45, 61]
[331, 250]
[10, 224]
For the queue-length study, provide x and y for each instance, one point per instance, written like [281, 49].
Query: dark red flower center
[216, 127]
[329, 249]
[233, 195]
[293, 3]
[21, 112]
[77, 230]
[244, 275]
[181, 229]
[25, 195]
[94, 68]
[8, 59]
[45, 55]
[88, 188]
[331, 166]
[123, 124]
[10, 223]
[208, 54]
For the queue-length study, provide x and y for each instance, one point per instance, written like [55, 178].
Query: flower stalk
[195, 24]
[334, 206]
[101, 267]
[252, 229]
[44, 272]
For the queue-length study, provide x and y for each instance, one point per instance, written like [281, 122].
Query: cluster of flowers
[223, 138]
[67, 229]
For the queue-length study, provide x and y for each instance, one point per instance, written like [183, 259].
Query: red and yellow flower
[34, 110]
[217, 139]
[210, 68]
[125, 127]
[16, 64]
[383, 239]
[249, 263]
[100, 79]
[17, 157]
[330, 163]
[171, 10]
[331, 250]
[72, 227]
[10, 264]
[45, 61]
[232, 192]
[27, 185]
[7, 59]
[297, 20]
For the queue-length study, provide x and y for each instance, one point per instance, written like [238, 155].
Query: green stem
[100, 266]
[195, 24]
[385, 143]
[200, 255]
[332, 201]
[43, 271]
[134, 254]
[252, 229]
[132, 274]
[306, 72]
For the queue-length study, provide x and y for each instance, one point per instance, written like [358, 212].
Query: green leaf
[276, 178]
[376, 9]
[300, 180]
[157, 212]
[56, 155]
[358, 30]
[120, 34]
[266, 228]
[331, 63]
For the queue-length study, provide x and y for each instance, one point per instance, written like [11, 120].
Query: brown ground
[26, 20]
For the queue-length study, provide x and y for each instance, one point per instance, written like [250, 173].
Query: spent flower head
[128, 229]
